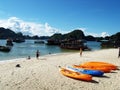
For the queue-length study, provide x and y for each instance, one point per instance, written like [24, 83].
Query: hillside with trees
[75, 34]
[113, 40]
[7, 33]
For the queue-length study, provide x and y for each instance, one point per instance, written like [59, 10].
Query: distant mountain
[75, 34]
[7, 33]
[116, 39]
[90, 38]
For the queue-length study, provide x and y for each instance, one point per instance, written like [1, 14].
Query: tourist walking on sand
[81, 51]
[37, 54]
[119, 52]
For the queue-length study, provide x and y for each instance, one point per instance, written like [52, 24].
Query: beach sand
[43, 74]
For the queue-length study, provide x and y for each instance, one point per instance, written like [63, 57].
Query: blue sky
[46, 17]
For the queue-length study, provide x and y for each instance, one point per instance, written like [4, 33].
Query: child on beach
[37, 54]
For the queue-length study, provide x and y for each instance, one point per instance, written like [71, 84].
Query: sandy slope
[43, 74]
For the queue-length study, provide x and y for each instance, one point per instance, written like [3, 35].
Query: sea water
[29, 48]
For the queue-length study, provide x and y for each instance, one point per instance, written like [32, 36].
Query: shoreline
[23, 58]
[43, 74]
[28, 48]
[62, 53]
[16, 58]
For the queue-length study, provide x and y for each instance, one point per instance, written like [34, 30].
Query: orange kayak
[100, 64]
[103, 69]
[75, 75]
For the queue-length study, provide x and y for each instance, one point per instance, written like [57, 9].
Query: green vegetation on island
[108, 41]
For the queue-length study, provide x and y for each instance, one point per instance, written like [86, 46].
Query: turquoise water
[28, 48]
[93, 45]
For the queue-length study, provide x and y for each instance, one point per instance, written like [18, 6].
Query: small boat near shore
[39, 42]
[18, 40]
[9, 42]
[74, 45]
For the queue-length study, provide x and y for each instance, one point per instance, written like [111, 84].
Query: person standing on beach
[28, 57]
[37, 54]
[119, 52]
[81, 51]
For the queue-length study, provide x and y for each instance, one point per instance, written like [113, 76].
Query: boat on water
[74, 45]
[75, 75]
[9, 42]
[39, 42]
[90, 72]
[5, 48]
[53, 42]
[18, 40]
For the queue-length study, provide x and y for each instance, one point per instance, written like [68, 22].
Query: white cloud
[31, 28]
[28, 28]
[88, 33]
[93, 34]
[104, 34]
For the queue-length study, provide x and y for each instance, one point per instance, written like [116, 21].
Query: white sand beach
[43, 74]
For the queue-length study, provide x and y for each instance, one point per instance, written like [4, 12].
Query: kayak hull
[103, 69]
[84, 71]
[95, 64]
[75, 75]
